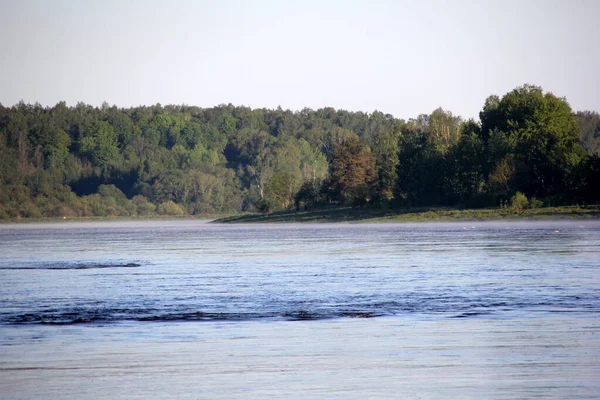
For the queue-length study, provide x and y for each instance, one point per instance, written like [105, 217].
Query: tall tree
[53, 143]
[352, 172]
[385, 151]
[99, 142]
[589, 123]
[444, 129]
[545, 134]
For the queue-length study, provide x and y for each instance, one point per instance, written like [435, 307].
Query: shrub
[535, 203]
[519, 201]
[112, 191]
[170, 208]
[146, 209]
[263, 206]
[200, 208]
[29, 210]
[142, 205]
[98, 207]
[3, 213]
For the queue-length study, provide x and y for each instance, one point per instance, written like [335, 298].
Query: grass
[415, 215]
[117, 218]
[348, 214]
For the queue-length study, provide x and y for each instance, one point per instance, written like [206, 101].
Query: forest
[83, 161]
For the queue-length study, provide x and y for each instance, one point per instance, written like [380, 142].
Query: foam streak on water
[193, 310]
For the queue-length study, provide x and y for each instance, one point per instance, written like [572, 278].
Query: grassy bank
[347, 214]
[416, 215]
[200, 217]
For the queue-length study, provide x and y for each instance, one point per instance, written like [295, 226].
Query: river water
[192, 310]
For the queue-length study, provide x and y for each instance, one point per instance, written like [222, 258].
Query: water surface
[186, 309]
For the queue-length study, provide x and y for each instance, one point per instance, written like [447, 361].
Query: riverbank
[199, 217]
[347, 214]
[415, 215]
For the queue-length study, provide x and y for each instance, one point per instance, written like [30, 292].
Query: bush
[62, 210]
[311, 193]
[116, 201]
[263, 206]
[170, 208]
[101, 207]
[112, 191]
[143, 206]
[535, 203]
[3, 213]
[200, 208]
[519, 201]
[29, 210]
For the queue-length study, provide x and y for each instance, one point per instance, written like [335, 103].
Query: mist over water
[499, 310]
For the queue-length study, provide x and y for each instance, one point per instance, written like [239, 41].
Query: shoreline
[353, 215]
[356, 215]
[55, 220]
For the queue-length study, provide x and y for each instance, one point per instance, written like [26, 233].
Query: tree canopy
[83, 161]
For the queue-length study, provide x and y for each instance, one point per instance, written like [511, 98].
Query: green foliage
[86, 161]
[464, 173]
[352, 172]
[228, 124]
[170, 208]
[279, 191]
[99, 142]
[501, 180]
[53, 142]
[124, 127]
[589, 124]
[519, 201]
[545, 136]
[585, 179]
[385, 151]
[535, 203]
[420, 171]
[143, 206]
[444, 129]
[311, 193]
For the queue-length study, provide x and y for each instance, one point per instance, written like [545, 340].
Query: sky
[399, 57]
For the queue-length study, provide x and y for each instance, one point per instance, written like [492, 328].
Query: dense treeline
[173, 160]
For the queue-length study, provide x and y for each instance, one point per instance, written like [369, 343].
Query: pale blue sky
[398, 57]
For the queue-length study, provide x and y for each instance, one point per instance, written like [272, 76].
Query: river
[193, 310]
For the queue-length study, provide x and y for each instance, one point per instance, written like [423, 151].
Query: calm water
[190, 310]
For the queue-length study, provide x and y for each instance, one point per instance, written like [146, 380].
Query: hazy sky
[398, 57]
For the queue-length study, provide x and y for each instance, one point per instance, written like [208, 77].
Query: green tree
[545, 134]
[124, 127]
[444, 129]
[53, 143]
[589, 123]
[352, 172]
[421, 171]
[465, 168]
[519, 201]
[99, 142]
[313, 163]
[279, 192]
[335, 138]
[228, 124]
[385, 151]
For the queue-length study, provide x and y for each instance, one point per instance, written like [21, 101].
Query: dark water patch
[470, 314]
[70, 266]
[223, 305]
[89, 316]
[305, 315]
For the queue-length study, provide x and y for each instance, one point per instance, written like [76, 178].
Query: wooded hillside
[172, 160]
